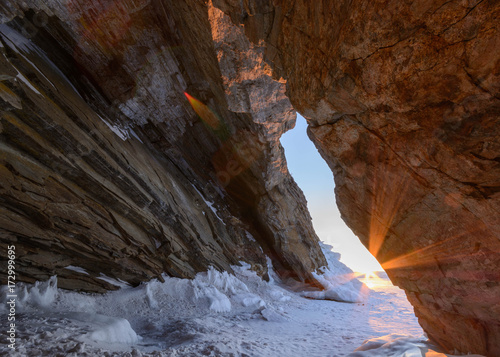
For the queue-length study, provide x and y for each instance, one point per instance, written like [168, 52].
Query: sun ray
[427, 255]
[204, 112]
[390, 189]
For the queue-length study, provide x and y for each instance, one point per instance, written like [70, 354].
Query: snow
[250, 236]
[338, 280]
[17, 41]
[116, 282]
[134, 134]
[24, 47]
[77, 269]
[209, 204]
[214, 314]
[28, 83]
[398, 345]
[121, 133]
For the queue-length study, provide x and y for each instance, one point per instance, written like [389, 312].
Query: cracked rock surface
[107, 165]
[402, 100]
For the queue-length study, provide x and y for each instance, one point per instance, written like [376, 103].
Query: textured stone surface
[402, 98]
[106, 165]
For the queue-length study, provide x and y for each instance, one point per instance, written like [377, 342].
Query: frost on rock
[77, 269]
[116, 282]
[338, 280]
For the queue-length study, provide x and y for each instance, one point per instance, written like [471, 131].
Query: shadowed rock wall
[402, 100]
[124, 150]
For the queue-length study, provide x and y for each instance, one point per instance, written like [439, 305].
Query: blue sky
[314, 177]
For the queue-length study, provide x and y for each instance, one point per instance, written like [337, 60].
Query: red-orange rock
[402, 99]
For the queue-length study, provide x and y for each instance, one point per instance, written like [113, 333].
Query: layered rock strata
[107, 165]
[127, 152]
[402, 100]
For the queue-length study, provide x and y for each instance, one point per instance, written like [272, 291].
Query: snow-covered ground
[218, 314]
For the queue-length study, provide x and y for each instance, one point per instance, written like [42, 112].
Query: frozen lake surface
[216, 314]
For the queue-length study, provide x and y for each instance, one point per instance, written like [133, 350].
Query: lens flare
[372, 280]
[434, 354]
[235, 156]
[204, 112]
[106, 28]
[237, 152]
[426, 256]
[390, 189]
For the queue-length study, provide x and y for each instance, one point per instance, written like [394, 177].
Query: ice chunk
[218, 302]
[150, 298]
[223, 281]
[42, 293]
[249, 299]
[107, 329]
[398, 346]
[271, 315]
[277, 295]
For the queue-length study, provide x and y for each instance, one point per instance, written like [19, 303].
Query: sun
[371, 279]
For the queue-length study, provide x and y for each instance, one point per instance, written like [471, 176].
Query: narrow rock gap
[315, 179]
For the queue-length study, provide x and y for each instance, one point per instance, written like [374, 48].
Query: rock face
[127, 149]
[141, 137]
[403, 102]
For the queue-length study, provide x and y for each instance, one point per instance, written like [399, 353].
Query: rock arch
[107, 165]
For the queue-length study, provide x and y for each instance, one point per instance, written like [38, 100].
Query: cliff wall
[126, 151]
[141, 136]
[402, 100]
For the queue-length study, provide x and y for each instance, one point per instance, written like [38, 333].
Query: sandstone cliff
[402, 99]
[127, 151]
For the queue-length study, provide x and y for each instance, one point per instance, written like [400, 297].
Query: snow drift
[214, 314]
[338, 280]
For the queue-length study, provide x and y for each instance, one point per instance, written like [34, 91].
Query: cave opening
[315, 178]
